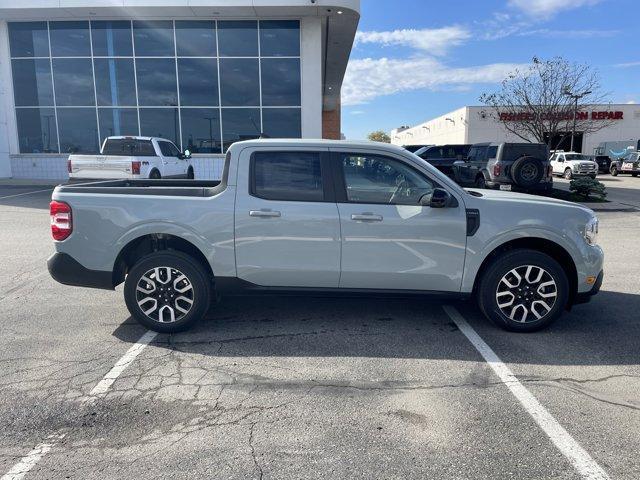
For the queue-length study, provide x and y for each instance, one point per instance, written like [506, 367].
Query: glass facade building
[203, 84]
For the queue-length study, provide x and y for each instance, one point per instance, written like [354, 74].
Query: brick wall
[331, 124]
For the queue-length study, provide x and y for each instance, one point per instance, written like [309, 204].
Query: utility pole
[575, 97]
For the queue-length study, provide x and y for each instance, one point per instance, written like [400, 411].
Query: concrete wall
[448, 128]
[7, 123]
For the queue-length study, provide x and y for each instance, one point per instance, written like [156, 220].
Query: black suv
[507, 166]
[443, 156]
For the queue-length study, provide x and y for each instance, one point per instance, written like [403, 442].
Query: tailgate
[100, 166]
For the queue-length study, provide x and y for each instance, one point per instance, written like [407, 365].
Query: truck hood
[524, 199]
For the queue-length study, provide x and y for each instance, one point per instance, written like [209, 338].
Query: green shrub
[587, 186]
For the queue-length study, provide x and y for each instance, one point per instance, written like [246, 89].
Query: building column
[7, 116]
[311, 76]
[331, 127]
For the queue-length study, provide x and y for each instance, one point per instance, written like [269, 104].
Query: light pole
[575, 97]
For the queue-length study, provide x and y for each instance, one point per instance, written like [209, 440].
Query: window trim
[340, 183]
[325, 176]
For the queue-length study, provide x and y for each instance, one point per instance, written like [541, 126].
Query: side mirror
[187, 153]
[459, 162]
[439, 199]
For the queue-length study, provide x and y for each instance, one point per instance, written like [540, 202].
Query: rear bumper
[68, 271]
[538, 187]
[585, 297]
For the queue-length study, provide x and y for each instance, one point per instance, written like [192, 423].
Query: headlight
[591, 231]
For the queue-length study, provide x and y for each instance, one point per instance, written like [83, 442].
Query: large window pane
[280, 38]
[32, 82]
[238, 39]
[153, 39]
[239, 81]
[37, 130]
[73, 80]
[198, 81]
[239, 124]
[280, 81]
[115, 81]
[282, 122]
[78, 130]
[29, 39]
[111, 38]
[201, 130]
[117, 121]
[70, 39]
[160, 122]
[156, 81]
[292, 176]
[196, 39]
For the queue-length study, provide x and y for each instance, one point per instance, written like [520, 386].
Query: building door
[562, 141]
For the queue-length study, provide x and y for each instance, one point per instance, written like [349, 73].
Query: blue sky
[417, 59]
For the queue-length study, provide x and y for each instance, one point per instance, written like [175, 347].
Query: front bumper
[585, 297]
[68, 271]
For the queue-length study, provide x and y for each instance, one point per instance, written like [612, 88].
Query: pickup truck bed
[172, 188]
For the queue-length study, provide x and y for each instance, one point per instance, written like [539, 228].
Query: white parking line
[26, 193]
[568, 446]
[27, 462]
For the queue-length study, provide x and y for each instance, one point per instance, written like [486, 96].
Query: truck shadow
[603, 332]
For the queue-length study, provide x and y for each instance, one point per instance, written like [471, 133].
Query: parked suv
[630, 163]
[506, 166]
[443, 156]
[573, 164]
[604, 163]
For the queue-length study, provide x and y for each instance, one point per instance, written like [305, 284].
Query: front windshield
[577, 156]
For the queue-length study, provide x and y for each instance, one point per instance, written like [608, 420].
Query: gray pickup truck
[329, 216]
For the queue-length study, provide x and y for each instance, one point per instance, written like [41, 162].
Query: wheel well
[542, 245]
[154, 242]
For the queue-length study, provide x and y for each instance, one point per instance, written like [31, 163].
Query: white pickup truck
[573, 164]
[131, 158]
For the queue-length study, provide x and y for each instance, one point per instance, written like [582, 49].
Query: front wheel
[634, 174]
[167, 291]
[523, 291]
[593, 176]
[481, 182]
[190, 174]
[568, 174]
[614, 171]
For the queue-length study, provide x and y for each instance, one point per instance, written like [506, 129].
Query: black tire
[634, 174]
[593, 176]
[492, 280]
[614, 171]
[190, 174]
[568, 174]
[527, 171]
[480, 182]
[155, 175]
[180, 264]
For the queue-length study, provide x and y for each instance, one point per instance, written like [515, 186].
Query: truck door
[287, 229]
[389, 240]
[170, 160]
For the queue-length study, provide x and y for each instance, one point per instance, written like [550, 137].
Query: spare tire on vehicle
[527, 171]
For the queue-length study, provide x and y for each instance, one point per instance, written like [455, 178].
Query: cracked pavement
[290, 387]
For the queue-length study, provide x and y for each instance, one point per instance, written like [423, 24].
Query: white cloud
[548, 8]
[357, 112]
[627, 65]
[434, 41]
[568, 34]
[368, 78]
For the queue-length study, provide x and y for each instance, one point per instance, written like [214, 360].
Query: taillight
[69, 169]
[135, 168]
[550, 171]
[497, 168]
[61, 224]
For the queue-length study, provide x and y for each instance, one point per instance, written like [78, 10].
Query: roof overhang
[339, 21]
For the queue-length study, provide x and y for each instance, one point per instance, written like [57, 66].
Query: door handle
[366, 217]
[264, 213]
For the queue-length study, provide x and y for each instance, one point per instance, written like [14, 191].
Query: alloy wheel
[164, 294]
[526, 293]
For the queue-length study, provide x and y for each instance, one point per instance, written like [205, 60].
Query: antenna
[260, 133]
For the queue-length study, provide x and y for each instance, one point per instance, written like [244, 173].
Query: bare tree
[379, 136]
[549, 101]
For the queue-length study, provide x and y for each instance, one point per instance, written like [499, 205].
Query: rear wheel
[568, 174]
[614, 171]
[481, 182]
[155, 175]
[167, 291]
[523, 290]
[634, 174]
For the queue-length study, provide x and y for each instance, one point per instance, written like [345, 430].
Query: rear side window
[477, 153]
[492, 151]
[514, 151]
[288, 176]
[129, 147]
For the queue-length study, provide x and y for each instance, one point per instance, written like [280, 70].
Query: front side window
[383, 180]
[288, 176]
[168, 149]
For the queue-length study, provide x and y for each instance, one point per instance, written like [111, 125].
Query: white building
[203, 73]
[468, 125]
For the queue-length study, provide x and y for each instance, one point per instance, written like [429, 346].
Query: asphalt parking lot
[288, 387]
